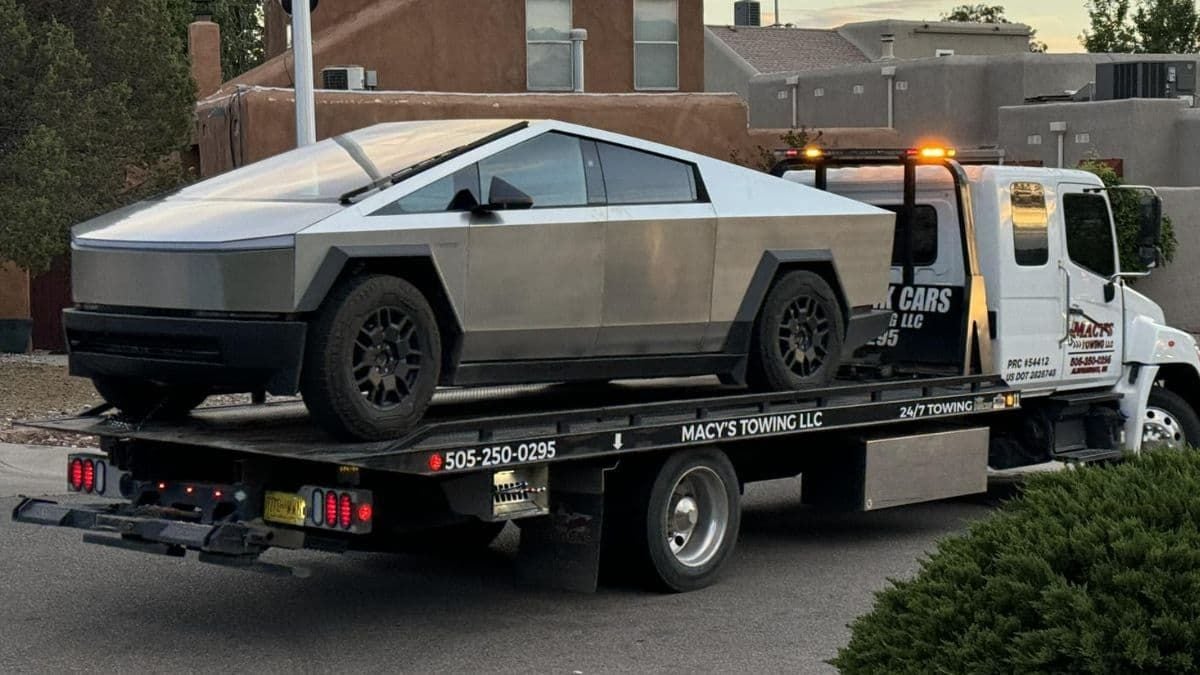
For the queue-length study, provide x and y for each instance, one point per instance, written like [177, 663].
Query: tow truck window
[925, 236]
[1089, 233]
[1031, 241]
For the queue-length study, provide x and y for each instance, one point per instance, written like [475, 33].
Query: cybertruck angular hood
[174, 223]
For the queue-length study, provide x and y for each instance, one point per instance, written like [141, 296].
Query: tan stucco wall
[14, 292]
[263, 119]
[204, 51]
[474, 45]
[1174, 286]
[253, 124]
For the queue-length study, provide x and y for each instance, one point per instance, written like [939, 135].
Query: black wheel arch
[773, 265]
[1183, 380]
[412, 262]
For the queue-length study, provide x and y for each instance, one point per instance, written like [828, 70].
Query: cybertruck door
[659, 249]
[535, 275]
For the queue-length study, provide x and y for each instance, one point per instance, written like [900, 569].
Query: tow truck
[1016, 344]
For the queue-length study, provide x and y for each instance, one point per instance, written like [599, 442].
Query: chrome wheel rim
[804, 332]
[387, 358]
[1161, 428]
[697, 517]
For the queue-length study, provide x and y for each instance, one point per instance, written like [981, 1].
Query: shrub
[1096, 570]
[1127, 215]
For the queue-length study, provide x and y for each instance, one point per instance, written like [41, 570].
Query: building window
[548, 45]
[656, 44]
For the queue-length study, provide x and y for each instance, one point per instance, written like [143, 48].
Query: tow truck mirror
[1150, 232]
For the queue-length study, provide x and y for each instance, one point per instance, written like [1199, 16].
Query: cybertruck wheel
[797, 341]
[372, 360]
[142, 399]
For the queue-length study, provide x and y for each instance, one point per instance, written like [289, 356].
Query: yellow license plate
[284, 507]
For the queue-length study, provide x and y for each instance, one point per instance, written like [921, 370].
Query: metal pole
[306, 118]
[578, 37]
[777, 21]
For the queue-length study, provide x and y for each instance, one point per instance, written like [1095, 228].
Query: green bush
[1127, 214]
[1096, 570]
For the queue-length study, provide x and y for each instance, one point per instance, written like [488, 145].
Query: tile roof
[780, 50]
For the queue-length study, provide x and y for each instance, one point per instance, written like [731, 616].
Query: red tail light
[331, 509]
[364, 513]
[345, 511]
[75, 474]
[89, 476]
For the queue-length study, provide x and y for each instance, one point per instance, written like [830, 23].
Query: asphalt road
[797, 579]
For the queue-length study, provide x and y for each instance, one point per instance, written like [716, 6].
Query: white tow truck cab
[1015, 270]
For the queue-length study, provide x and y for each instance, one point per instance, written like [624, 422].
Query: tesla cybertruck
[368, 269]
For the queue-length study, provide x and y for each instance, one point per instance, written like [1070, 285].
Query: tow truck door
[1092, 344]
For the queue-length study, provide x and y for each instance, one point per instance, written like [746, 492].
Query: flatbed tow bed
[540, 455]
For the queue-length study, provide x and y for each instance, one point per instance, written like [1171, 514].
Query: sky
[1058, 22]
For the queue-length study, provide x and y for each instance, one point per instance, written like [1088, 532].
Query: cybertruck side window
[1089, 233]
[1031, 241]
[443, 195]
[636, 177]
[548, 168]
[925, 236]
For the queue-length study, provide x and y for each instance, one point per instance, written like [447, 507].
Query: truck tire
[1170, 421]
[372, 359]
[142, 399]
[689, 525]
[797, 339]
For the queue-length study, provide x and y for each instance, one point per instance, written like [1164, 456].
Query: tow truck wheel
[141, 398]
[372, 359]
[797, 341]
[691, 521]
[1169, 421]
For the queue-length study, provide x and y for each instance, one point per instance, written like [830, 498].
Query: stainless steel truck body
[545, 251]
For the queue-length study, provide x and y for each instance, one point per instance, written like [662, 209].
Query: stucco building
[501, 46]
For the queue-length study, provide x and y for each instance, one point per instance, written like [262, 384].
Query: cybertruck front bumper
[225, 354]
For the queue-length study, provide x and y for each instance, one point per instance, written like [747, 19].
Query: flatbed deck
[475, 429]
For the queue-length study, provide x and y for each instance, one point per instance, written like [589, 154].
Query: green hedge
[1096, 570]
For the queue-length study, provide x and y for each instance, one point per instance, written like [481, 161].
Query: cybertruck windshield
[324, 171]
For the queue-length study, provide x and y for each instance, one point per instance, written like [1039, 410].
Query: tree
[97, 100]
[977, 14]
[242, 34]
[1154, 27]
[982, 13]
[1167, 27]
[1111, 29]
[1128, 220]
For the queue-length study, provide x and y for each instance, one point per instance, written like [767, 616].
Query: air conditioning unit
[346, 78]
[1145, 79]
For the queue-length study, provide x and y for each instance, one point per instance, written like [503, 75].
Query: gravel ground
[37, 386]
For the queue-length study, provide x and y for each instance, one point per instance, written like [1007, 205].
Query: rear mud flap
[562, 550]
